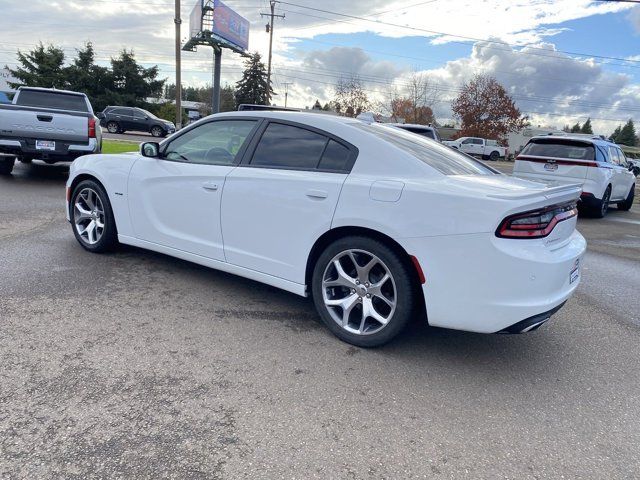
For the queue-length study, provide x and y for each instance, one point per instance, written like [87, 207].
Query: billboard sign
[195, 20]
[230, 26]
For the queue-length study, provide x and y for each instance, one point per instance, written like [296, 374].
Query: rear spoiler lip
[568, 190]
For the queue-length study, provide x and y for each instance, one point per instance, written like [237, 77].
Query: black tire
[602, 207]
[6, 165]
[25, 160]
[494, 156]
[403, 284]
[113, 127]
[109, 237]
[626, 205]
[157, 131]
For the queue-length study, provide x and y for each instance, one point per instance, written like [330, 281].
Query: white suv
[598, 165]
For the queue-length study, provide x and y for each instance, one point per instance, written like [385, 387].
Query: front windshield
[444, 159]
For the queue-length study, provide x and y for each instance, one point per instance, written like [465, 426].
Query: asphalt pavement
[138, 365]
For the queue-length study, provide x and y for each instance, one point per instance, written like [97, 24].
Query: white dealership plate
[45, 145]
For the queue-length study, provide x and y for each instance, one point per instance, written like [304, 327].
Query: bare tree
[350, 97]
[413, 102]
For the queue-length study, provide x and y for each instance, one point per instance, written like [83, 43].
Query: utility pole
[286, 92]
[270, 32]
[178, 21]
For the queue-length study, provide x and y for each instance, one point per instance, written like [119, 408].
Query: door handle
[212, 187]
[45, 118]
[317, 194]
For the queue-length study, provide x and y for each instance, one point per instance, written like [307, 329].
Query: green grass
[116, 146]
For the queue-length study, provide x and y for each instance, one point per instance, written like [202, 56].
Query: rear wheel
[113, 127]
[6, 165]
[157, 131]
[494, 156]
[92, 218]
[602, 207]
[25, 160]
[363, 291]
[626, 205]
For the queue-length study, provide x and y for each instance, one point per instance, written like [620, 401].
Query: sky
[562, 61]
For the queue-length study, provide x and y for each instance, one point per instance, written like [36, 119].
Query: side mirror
[100, 115]
[150, 149]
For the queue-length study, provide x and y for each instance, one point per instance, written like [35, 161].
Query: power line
[435, 32]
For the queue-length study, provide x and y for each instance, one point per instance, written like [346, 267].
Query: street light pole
[178, 21]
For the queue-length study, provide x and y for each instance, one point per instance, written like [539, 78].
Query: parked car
[597, 165]
[424, 130]
[122, 119]
[47, 124]
[367, 219]
[487, 149]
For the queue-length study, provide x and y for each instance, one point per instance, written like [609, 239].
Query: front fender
[112, 171]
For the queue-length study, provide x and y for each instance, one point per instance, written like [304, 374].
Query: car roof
[412, 125]
[52, 90]
[309, 118]
[587, 138]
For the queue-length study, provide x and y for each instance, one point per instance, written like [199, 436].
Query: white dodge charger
[374, 223]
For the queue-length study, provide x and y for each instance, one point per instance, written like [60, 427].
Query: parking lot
[138, 365]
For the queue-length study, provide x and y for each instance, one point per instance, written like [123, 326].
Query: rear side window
[335, 157]
[444, 159]
[286, 146]
[561, 149]
[51, 99]
[420, 131]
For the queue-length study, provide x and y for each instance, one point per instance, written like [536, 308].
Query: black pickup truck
[49, 125]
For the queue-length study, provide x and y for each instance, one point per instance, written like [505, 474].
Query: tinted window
[560, 149]
[286, 146]
[421, 131]
[335, 157]
[477, 141]
[467, 140]
[444, 159]
[212, 143]
[121, 111]
[50, 99]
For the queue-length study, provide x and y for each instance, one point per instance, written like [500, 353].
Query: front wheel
[626, 205]
[92, 218]
[6, 165]
[363, 291]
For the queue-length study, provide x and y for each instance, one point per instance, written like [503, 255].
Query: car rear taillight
[536, 223]
[92, 127]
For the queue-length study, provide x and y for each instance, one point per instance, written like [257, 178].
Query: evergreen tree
[83, 75]
[615, 134]
[566, 129]
[227, 99]
[252, 88]
[576, 128]
[627, 135]
[131, 83]
[317, 106]
[586, 127]
[41, 67]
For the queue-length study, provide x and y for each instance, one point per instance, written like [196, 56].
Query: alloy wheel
[112, 127]
[359, 292]
[88, 216]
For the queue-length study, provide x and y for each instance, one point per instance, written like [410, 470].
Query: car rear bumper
[65, 151]
[485, 284]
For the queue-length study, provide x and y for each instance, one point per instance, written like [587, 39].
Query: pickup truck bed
[47, 124]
